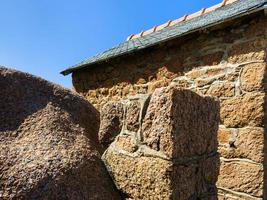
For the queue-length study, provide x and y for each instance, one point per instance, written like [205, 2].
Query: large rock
[48, 139]
[174, 153]
[124, 116]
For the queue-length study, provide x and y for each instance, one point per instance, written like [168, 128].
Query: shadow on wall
[49, 144]
[265, 137]
[157, 63]
[148, 65]
[195, 145]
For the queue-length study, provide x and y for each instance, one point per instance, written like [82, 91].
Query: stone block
[132, 118]
[247, 51]
[181, 123]
[256, 28]
[217, 70]
[252, 77]
[183, 163]
[245, 143]
[242, 177]
[49, 143]
[157, 84]
[222, 89]
[140, 177]
[181, 82]
[196, 73]
[126, 143]
[245, 110]
[226, 136]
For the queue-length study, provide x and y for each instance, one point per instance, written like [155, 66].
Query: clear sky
[43, 37]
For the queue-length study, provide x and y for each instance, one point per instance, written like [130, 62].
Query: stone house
[219, 51]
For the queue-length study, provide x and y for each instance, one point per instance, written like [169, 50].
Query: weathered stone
[155, 178]
[193, 181]
[126, 143]
[144, 173]
[157, 84]
[242, 143]
[210, 169]
[252, 77]
[111, 119]
[213, 58]
[256, 28]
[208, 72]
[49, 145]
[139, 178]
[231, 75]
[196, 73]
[246, 110]
[241, 177]
[247, 51]
[221, 89]
[172, 123]
[205, 72]
[181, 82]
[132, 115]
[204, 81]
[139, 89]
[216, 70]
[165, 72]
[225, 136]
[126, 90]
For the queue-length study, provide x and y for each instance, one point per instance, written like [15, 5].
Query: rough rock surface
[181, 123]
[173, 154]
[111, 116]
[242, 177]
[245, 110]
[48, 139]
[228, 62]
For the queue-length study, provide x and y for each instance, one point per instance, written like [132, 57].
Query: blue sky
[43, 37]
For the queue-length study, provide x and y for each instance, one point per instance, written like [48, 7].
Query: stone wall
[163, 150]
[228, 62]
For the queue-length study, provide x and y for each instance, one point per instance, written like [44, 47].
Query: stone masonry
[164, 151]
[226, 61]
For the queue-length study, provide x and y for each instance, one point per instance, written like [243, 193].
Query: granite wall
[227, 62]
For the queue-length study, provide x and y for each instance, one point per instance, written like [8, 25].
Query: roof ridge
[181, 19]
[235, 10]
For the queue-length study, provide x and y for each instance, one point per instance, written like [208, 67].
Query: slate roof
[221, 14]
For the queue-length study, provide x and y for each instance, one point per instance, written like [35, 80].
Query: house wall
[228, 62]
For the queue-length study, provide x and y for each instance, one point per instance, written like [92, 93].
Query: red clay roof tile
[181, 19]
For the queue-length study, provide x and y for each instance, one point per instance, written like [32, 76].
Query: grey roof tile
[222, 14]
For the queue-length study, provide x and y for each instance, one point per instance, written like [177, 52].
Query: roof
[177, 28]
[181, 19]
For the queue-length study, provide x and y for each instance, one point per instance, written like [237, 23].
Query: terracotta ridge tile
[181, 19]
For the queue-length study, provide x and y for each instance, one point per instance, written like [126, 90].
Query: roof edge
[86, 63]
